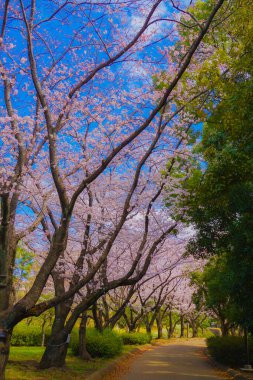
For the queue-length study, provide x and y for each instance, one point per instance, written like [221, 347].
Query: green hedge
[28, 335]
[229, 350]
[103, 345]
[136, 338]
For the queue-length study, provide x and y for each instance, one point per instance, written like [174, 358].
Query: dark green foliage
[220, 205]
[229, 350]
[213, 290]
[136, 338]
[99, 345]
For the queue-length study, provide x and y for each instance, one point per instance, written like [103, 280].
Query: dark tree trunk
[83, 353]
[132, 327]
[57, 346]
[106, 314]
[159, 326]
[149, 325]
[148, 328]
[56, 351]
[150, 322]
[8, 246]
[182, 326]
[240, 331]
[97, 318]
[194, 330]
[116, 317]
[4, 351]
[246, 344]
[233, 331]
[170, 331]
[159, 331]
[224, 328]
[172, 326]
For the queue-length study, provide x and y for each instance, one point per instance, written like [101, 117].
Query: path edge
[230, 371]
[113, 365]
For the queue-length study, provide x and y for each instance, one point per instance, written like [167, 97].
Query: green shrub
[229, 350]
[103, 345]
[28, 335]
[136, 338]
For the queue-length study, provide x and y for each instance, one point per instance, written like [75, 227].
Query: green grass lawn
[23, 364]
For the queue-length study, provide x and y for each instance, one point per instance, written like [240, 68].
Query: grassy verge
[24, 365]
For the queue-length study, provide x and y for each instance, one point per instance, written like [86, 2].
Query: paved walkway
[180, 360]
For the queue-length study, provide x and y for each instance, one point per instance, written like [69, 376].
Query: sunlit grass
[23, 364]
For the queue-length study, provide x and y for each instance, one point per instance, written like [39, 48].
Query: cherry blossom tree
[183, 303]
[130, 240]
[69, 119]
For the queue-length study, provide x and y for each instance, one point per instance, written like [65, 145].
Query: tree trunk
[240, 331]
[57, 345]
[233, 331]
[194, 330]
[105, 315]
[5, 337]
[4, 351]
[8, 246]
[181, 326]
[131, 322]
[83, 353]
[132, 327]
[159, 326]
[224, 328]
[56, 349]
[55, 352]
[115, 318]
[43, 338]
[159, 331]
[246, 343]
[148, 325]
[97, 318]
[170, 329]
[43, 334]
[172, 326]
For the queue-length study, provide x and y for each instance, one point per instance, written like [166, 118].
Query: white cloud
[137, 21]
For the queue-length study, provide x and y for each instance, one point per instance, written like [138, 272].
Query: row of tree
[99, 111]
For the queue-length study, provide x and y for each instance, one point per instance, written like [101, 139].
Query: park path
[180, 360]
